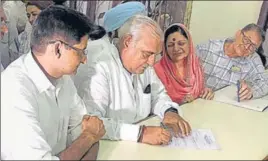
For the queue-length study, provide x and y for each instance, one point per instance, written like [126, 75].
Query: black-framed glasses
[79, 51]
[246, 40]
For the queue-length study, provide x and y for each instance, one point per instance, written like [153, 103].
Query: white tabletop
[241, 134]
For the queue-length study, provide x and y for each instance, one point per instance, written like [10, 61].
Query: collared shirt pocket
[145, 104]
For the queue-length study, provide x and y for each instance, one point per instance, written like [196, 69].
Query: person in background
[3, 32]
[235, 59]
[179, 69]
[51, 120]
[265, 49]
[111, 26]
[263, 23]
[122, 88]
[33, 9]
[16, 15]
[16, 21]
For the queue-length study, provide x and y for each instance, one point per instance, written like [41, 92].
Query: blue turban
[117, 16]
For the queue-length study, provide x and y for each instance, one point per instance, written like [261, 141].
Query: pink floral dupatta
[177, 88]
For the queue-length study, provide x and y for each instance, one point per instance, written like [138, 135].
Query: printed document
[199, 139]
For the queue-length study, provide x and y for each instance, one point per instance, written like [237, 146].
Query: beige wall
[212, 19]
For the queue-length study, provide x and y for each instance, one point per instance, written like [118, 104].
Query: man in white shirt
[121, 89]
[42, 117]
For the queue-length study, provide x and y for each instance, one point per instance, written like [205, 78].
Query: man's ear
[238, 33]
[127, 40]
[57, 49]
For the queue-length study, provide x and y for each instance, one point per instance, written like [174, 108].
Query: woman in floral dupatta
[179, 68]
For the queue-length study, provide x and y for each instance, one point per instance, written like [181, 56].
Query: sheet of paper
[229, 95]
[199, 139]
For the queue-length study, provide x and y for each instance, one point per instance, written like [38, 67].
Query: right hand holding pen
[93, 126]
[155, 135]
[245, 92]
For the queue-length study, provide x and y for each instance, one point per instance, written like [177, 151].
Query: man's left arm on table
[78, 111]
[167, 110]
[258, 79]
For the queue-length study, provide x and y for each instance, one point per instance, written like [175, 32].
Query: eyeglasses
[246, 40]
[81, 52]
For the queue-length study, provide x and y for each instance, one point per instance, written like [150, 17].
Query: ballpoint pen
[238, 88]
[163, 125]
[167, 128]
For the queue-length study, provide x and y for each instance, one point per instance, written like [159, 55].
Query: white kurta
[36, 116]
[24, 40]
[116, 96]
[15, 12]
[2, 68]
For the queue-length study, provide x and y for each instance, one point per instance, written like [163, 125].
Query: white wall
[220, 19]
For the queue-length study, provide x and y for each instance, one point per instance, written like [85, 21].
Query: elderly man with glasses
[235, 59]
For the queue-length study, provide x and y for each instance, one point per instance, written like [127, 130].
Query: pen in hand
[163, 125]
[166, 128]
[238, 89]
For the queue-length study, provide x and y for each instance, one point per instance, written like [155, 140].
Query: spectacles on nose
[246, 41]
[81, 52]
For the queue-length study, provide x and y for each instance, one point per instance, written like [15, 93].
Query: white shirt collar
[36, 74]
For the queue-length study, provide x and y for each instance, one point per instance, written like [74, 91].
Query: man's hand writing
[177, 124]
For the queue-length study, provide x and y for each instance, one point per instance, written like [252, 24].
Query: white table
[241, 133]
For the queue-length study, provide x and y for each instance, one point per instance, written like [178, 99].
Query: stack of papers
[199, 139]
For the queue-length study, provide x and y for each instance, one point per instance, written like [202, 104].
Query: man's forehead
[151, 44]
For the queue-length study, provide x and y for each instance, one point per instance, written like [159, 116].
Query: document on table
[228, 95]
[199, 139]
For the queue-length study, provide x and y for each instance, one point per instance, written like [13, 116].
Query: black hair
[125, 1]
[39, 4]
[62, 23]
[59, 2]
[173, 29]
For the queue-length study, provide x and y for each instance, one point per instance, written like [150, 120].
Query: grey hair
[135, 24]
[257, 28]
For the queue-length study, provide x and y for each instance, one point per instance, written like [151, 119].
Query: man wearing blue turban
[117, 16]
